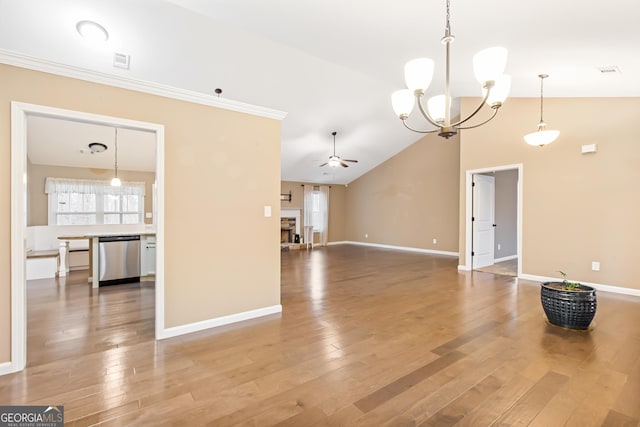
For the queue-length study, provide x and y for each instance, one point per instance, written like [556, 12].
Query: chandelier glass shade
[542, 136]
[488, 67]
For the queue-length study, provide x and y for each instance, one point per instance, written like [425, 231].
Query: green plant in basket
[570, 286]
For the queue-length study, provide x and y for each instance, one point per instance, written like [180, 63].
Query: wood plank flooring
[367, 337]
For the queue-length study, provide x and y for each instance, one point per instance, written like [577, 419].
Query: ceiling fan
[335, 161]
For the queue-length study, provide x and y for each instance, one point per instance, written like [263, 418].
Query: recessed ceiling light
[92, 31]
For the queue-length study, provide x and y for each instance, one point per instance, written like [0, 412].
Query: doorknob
[494, 225]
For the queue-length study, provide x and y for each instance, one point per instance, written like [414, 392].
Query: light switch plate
[267, 211]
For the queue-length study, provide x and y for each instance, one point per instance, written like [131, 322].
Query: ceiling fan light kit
[542, 136]
[335, 161]
[488, 67]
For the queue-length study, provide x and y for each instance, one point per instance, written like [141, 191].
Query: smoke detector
[97, 147]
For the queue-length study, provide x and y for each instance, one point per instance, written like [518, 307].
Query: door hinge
[473, 184]
[473, 253]
[473, 218]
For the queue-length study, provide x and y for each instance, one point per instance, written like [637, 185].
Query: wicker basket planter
[569, 309]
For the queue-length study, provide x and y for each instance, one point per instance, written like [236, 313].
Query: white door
[483, 220]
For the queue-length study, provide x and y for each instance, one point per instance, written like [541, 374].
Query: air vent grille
[121, 60]
[611, 69]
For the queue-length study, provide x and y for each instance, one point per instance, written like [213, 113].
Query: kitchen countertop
[92, 235]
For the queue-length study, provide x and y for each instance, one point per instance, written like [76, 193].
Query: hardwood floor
[367, 337]
[503, 268]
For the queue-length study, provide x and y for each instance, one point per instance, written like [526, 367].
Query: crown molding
[32, 63]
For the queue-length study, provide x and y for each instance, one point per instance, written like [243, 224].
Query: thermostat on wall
[589, 148]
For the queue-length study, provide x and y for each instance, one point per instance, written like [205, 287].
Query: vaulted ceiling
[332, 64]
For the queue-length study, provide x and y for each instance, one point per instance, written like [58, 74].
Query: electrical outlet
[366, 235]
[595, 265]
[499, 247]
[435, 241]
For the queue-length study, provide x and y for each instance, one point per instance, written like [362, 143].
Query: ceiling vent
[611, 69]
[121, 60]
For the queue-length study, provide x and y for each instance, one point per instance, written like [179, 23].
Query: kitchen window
[84, 202]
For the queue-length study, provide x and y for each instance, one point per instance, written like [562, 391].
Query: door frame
[468, 265]
[19, 115]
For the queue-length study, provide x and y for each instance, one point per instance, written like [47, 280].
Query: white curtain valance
[89, 186]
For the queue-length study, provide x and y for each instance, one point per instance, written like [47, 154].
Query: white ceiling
[58, 142]
[332, 64]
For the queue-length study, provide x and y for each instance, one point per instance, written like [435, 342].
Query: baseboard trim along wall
[399, 248]
[219, 321]
[598, 286]
[506, 258]
[6, 368]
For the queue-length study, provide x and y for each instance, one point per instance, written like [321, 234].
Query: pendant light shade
[402, 102]
[418, 74]
[542, 136]
[436, 108]
[489, 64]
[500, 91]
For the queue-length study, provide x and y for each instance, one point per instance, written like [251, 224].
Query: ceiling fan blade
[343, 164]
[324, 164]
[347, 160]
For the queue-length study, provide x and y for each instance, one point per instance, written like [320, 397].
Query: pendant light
[115, 182]
[542, 136]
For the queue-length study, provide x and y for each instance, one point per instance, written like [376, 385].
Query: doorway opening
[20, 114]
[493, 220]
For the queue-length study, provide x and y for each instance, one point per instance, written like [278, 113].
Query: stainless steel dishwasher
[119, 259]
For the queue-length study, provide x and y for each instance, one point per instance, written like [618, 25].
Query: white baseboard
[506, 258]
[6, 368]
[219, 321]
[598, 286]
[399, 248]
[463, 267]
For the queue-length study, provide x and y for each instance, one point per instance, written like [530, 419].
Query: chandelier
[488, 67]
[542, 136]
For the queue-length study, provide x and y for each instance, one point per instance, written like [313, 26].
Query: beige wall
[38, 199]
[577, 208]
[336, 206]
[214, 223]
[409, 199]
